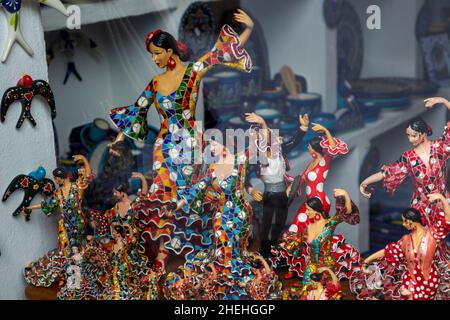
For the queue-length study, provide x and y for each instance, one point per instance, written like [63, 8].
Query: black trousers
[275, 203]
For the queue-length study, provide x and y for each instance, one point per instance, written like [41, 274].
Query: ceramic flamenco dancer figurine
[273, 174]
[174, 93]
[316, 245]
[324, 285]
[426, 163]
[412, 268]
[231, 220]
[322, 149]
[72, 222]
[129, 276]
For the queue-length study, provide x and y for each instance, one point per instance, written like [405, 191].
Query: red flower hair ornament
[150, 36]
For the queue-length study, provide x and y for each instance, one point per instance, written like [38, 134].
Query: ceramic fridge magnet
[32, 184]
[24, 92]
[12, 12]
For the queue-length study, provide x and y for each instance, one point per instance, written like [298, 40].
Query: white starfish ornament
[12, 12]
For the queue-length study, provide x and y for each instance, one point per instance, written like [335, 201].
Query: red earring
[171, 63]
[314, 155]
[317, 217]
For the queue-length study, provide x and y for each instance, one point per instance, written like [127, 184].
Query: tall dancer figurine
[174, 93]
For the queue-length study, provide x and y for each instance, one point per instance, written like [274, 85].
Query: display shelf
[104, 11]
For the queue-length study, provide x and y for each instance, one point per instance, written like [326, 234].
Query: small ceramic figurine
[25, 91]
[220, 194]
[323, 285]
[31, 184]
[12, 12]
[175, 93]
[414, 268]
[130, 276]
[67, 199]
[273, 174]
[317, 245]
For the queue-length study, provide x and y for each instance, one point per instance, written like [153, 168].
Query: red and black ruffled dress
[406, 272]
[327, 250]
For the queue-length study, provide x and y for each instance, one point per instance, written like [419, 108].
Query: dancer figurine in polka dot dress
[412, 268]
[174, 94]
[322, 149]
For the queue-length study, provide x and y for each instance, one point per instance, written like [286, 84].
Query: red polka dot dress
[409, 272]
[314, 181]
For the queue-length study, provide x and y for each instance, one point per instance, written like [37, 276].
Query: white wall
[22, 152]
[297, 36]
[392, 51]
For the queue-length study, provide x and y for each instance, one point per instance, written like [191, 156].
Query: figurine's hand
[340, 193]
[254, 118]
[362, 189]
[435, 197]
[303, 120]
[137, 175]
[242, 17]
[323, 269]
[79, 157]
[288, 190]
[431, 102]
[256, 195]
[319, 128]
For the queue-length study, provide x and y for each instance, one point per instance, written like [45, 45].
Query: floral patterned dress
[176, 145]
[420, 272]
[327, 250]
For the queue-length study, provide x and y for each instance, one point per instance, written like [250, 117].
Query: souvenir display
[413, 268]
[67, 43]
[12, 12]
[176, 103]
[192, 202]
[25, 91]
[31, 184]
